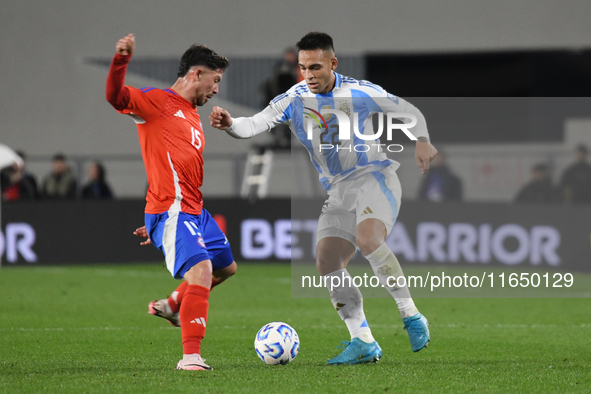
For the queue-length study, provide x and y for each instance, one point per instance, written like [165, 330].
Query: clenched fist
[126, 45]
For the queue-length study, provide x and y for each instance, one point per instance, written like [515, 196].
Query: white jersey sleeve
[275, 113]
[420, 130]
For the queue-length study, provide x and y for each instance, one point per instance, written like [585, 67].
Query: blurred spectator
[15, 185]
[540, 188]
[575, 184]
[440, 184]
[285, 74]
[29, 178]
[96, 188]
[60, 183]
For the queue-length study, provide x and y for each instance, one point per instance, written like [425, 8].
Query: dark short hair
[582, 148]
[101, 172]
[541, 167]
[58, 157]
[200, 55]
[315, 40]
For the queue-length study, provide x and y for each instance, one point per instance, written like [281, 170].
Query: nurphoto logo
[342, 129]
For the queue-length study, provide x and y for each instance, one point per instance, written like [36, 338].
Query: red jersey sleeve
[142, 103]
[117, 93]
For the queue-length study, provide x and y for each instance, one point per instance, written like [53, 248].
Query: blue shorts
[188, 239]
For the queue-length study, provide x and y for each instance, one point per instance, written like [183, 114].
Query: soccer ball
[277, 343]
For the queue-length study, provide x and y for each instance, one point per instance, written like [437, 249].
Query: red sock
[174, 300]
[193, 315]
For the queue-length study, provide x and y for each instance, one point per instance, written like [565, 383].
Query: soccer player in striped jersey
[172, 141]
[363, 189]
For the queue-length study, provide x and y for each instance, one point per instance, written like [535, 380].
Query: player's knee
[368, 243]
[370, 235]
[319, 265]
[200, 274]
[230, 270]
[224, 273]
[333, 254]
[327, 265]
[321, 259]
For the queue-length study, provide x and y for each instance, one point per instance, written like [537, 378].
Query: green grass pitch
[87, 330]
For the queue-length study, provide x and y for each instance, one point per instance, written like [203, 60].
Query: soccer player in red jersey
[171, 138]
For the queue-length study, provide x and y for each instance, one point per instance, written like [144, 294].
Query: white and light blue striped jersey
[334, 158]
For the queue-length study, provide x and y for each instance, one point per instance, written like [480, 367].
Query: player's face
[208, 82]
[317, 68]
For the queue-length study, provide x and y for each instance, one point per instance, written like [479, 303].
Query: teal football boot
[357, 352]
[417, 327]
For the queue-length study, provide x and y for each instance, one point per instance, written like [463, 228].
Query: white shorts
[375, 195]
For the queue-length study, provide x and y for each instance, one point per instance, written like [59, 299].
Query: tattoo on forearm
[423, 139]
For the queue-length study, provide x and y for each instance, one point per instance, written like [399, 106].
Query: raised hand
[126, 45]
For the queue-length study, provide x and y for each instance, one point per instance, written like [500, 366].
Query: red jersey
[171, 138]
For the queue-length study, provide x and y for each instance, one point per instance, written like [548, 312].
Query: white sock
[384, 265]
[347, 300]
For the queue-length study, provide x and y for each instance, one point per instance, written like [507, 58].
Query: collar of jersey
[176, 94]
[336, 86]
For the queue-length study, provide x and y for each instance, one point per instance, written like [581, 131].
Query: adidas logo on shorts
[366, 211]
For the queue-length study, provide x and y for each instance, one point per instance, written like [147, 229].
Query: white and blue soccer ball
[277, 343]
